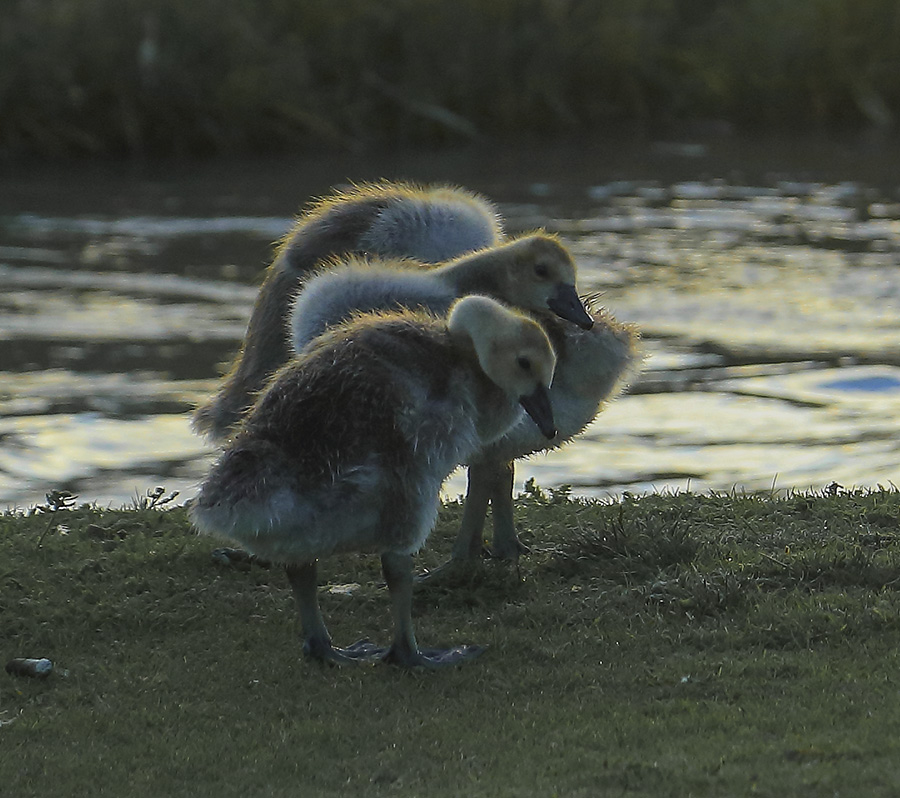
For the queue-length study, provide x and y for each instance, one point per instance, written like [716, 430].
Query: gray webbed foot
[405, 651]
[432, 658]
[360, 651]
[363, 651]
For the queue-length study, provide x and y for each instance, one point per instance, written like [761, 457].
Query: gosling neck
[483, 272]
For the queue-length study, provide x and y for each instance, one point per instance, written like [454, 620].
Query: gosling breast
[591, 367]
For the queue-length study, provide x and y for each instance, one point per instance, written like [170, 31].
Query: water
[769, 304]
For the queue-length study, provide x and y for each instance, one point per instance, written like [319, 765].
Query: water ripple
[770, 314]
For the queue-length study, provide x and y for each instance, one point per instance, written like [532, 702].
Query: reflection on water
[771, 318]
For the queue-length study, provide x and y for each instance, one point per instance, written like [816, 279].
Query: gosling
[347, 449]
[391, 220]
[534, 273]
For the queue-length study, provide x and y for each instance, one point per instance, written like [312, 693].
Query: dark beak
[537, 405]
[566, 304]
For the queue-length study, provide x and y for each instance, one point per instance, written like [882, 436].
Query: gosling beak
[565, 303]
[537, 405]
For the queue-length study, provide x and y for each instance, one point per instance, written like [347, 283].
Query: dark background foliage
[248, 76]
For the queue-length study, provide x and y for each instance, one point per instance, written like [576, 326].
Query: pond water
[768, 296]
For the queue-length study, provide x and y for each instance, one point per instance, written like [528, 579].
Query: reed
[116, 77]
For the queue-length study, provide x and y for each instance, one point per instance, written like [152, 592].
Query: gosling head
[540, 274]
[512, 350]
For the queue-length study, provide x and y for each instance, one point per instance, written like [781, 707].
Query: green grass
[671, 645]
[146, 77]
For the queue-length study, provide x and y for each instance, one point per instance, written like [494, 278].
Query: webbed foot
[432, 658]
[360, 651]
[364, 651]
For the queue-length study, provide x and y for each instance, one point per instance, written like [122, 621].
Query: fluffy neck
[483, 272]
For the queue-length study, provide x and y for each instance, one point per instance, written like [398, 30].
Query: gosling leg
[405, 652]
[479, 488]
[316, 640]
[505, 543]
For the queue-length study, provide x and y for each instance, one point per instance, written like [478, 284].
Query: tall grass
[165, 76]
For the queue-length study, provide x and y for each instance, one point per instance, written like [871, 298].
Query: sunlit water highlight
[770, 314]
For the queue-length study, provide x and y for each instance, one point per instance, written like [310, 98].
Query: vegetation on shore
[114, 77]
[664, 645]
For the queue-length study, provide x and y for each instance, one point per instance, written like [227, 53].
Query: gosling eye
[541, 271]
[524, 363]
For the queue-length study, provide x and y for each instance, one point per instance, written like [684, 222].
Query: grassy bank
[671, 645]
[214, 76]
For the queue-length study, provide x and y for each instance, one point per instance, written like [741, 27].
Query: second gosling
[533, 273]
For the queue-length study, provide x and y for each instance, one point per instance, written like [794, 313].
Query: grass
[668, 645]
[151, 77]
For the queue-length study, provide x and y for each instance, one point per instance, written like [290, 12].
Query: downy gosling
[347, 449]
[533, 273]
